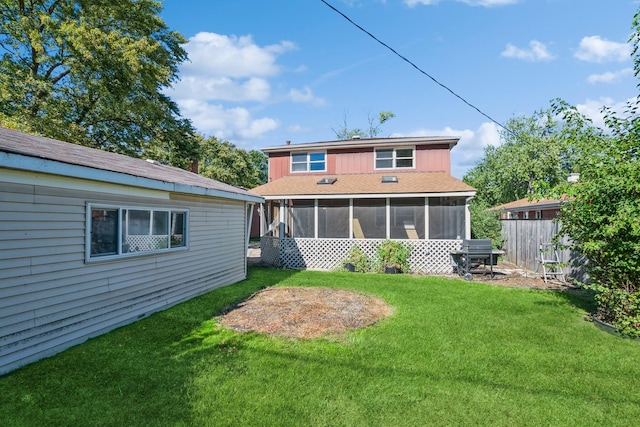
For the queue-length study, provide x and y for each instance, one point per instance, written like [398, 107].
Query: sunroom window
[394, 158]
[122, 231]
[308, 162]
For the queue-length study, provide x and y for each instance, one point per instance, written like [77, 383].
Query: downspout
[249, 223]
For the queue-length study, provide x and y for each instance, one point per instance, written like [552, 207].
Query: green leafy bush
[393, 254]
[358, 259]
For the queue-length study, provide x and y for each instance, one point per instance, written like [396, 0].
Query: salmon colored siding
[357, 161]
[278, 165]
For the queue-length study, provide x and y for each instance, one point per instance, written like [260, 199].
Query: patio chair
[549, 259]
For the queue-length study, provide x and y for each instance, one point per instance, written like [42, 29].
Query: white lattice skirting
[427, 256]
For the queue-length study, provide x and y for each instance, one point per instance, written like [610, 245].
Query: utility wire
[417, 68]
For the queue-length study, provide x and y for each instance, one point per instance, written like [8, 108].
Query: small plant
[357, 261]
[393, 255]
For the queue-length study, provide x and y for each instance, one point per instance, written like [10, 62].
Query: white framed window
[309, 162]
[395, 158]
[119, 231]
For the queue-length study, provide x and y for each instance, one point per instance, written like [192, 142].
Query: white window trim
[394, 157]
[120, 208]
[308, 162]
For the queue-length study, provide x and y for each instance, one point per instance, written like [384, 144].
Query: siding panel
[50, 299]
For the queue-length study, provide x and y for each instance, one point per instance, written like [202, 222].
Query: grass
[453, 353]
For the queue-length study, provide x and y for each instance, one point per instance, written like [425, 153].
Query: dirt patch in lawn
[305, 312]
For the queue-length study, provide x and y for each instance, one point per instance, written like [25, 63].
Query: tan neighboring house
[92, 240]
[529, 209]
[323, 198]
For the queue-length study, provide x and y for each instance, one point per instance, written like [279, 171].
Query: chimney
[193, 166]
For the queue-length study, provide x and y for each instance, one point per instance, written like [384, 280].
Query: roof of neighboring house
[362, 185]
[451, 141]
[23, 151]
[526, 204]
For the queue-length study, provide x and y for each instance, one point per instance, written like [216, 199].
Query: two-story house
[323, 198]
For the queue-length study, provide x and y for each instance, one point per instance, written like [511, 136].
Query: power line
[416, 67]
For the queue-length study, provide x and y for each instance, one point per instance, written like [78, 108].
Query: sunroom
[314, 221]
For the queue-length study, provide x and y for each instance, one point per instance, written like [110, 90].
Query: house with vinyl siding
[92, 240]
[323, 198]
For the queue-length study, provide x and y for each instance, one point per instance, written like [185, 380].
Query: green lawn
[454, 353]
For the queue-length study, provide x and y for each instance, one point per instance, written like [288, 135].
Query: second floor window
[308, 162]
[394, 158]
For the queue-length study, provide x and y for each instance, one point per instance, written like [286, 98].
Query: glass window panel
[316, 157]
[160, 223]
[138, 222]
[384, 154]
[178, 229]
[299, 157]
[407, 218]
[404, 163]
[404, 152]
[370, 214]
[299, 167]
[303, 218]
[446, 218]
[317, 166]
[104, 232]
[333, 218]
[381, 164]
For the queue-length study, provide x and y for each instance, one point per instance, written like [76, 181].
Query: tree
[531, 155]
[373, 130]
[92, 72]
[601, 218]
[223, 161]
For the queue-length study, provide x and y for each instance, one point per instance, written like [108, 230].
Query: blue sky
[264, 72]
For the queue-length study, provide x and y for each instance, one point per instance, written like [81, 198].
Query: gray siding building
[91, 240]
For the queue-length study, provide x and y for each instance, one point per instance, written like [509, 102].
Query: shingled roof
[364, 184]
[14, 143]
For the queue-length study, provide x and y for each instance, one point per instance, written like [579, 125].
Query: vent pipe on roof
[287, 142]
[355, 137]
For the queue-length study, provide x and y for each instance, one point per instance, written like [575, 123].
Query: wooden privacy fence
[522, 238]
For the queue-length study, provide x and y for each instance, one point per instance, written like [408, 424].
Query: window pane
[404, 163]
[404, 152]
[160, 223]
[138, 222]
[299, 167]
[369, 217]
[302, 217]
[333, 218]
[407, 218]
[299, 157]
[316, 157]
[317, 166]
[178, 229]
[381, 164]
[104, 232]
[384, 154]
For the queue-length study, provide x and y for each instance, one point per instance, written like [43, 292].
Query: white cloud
[610, 76]
[232, 56]
[537, 52]
[305, 96]
[470, 147]
[484, 3]
[236, 124]
[592, 108]
[597, 49]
